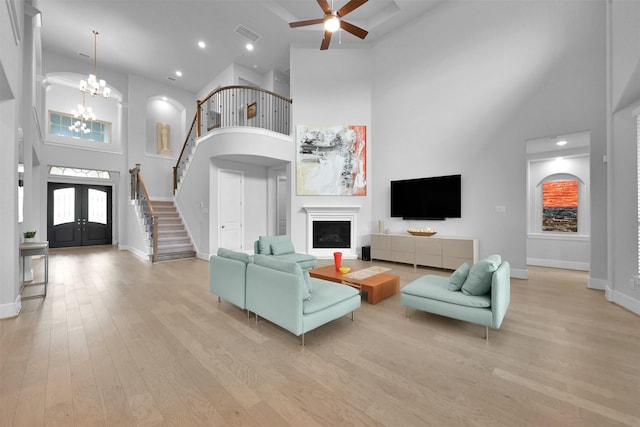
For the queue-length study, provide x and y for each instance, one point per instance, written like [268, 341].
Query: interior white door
[231, 214]
[281, 206]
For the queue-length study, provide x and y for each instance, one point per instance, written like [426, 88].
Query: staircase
[173, 240]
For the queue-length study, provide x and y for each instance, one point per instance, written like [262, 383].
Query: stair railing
[234, 106]
[139, 193]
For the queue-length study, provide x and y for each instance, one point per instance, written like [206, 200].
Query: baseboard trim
[599, 284]
[554, 263]
[203, 256]
[517, 273]
[623, 300]
[11, 309]
[143, 256]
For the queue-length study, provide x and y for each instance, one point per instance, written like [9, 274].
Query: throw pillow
[282, 248]
[480, 275]
[458, 277]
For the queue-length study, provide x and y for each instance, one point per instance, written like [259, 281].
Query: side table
[31, 249]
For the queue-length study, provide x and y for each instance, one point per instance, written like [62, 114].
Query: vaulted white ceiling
[155, 38]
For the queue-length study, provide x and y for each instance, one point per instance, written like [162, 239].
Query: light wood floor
[121, 342]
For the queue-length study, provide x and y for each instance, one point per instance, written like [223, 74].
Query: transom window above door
[78, 173]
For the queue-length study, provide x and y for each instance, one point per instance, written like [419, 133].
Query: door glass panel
[64, 200]
[97, 206]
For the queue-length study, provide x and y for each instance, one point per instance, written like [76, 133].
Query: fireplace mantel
[332, 213]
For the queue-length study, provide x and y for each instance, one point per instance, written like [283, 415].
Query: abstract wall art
[560, 206]
[331, 160]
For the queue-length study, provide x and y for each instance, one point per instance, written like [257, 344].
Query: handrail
[235, 105]
[184, 146]
[138, 187]
[220, 89]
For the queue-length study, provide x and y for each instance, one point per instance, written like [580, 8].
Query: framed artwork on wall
[560, 206]
[331, 160]
[251, 110]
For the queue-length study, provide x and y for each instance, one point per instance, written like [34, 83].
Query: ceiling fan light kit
[333, 21]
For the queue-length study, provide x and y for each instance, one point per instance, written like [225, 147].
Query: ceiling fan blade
[356, 31]
[350, 7]
[307, 22]
[324, 4]
[326, 40]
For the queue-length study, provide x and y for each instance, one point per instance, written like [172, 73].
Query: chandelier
[81, 117]
[92, 85]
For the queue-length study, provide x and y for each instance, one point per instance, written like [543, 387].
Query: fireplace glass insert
[331, 234]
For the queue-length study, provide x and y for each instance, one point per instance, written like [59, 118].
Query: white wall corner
[143, 256]
[599, 284]
[11, 309]
[623, 300]
[517, 273]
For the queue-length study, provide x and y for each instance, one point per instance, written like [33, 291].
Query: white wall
[623, 246]
[464, 98]
[157, 171]
[332, 87]
[11, 56]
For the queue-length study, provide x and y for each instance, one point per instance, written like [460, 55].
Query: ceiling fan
[333, 21]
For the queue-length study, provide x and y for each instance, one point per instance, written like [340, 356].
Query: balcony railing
[233, 106]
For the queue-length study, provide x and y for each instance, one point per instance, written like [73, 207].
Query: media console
[440, 252]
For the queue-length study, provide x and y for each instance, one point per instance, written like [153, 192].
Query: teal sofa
[279, 291]
[456, 297]
[282, 248]
[227, 276]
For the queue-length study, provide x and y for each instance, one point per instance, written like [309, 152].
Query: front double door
[78, 215]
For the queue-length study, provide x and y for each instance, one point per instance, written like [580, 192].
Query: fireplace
[331, 234]
[331, 229]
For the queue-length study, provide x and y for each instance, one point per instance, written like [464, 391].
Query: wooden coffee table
[377, 287]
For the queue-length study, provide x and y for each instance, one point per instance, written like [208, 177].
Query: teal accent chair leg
[486, 333]
[219, 300]
[302, 342]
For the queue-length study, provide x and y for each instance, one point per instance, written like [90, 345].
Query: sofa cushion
[437, 288]
[307, 280]
[265, 242]
[286, 267]
[304, 261]
[326, 294]
[458, 277]
[282, 248]
[238, 256]
[479, 279]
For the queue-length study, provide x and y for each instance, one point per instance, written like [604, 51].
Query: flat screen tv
[437, 197]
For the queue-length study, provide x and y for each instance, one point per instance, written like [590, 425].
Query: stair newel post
[175, 180]
[133, 172]
[154, 233]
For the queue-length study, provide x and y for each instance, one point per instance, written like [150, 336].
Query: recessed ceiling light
[164, 98]
[202, 44]
[561, 142]
[249, 47]
[179, 73]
